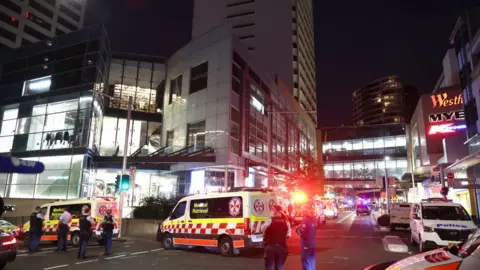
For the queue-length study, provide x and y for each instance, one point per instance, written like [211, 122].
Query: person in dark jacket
[307, 232]
[85, 222]
[36, 229]
[276, 231]
[108, 224]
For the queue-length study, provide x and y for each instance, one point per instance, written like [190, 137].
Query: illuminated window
[37, 86]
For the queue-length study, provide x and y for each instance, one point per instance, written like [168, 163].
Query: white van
[436, 223]
[400, 215]
[230, 221]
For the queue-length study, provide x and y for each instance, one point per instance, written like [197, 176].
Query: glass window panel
[2, 190]
[347, 145]
[109, 132]
[400, 141]
[30, 124]
[380, 164]
[60, 121]
[357, 145]
[74, 191]
[34, 141]
[8, 127]
[10, 114]
[23, 179]
[391, 164]
[378, 143]
[337, 146]
[39, 109]
[51, 192]
[389, 141]
[130, 69]
[154, 138]
[21, 191]
[367, 143]
[358, 170]
[63, 106]
[196, 135]
[326, 147]
[402, 163]
[328, 171]
[338, 170]
[56, 162]
[6, 144]
[122, 125]
[347, 170]
[58, 177]
[3, 178]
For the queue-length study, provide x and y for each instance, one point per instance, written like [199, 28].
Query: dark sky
[356, 41]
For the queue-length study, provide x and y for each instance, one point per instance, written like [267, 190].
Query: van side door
[178, 226]
[199, 223]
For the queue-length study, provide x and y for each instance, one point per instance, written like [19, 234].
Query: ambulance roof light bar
[436, 200]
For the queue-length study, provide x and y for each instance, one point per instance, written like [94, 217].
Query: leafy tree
[308, 178]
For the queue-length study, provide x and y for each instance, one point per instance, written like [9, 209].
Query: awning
[465, 162]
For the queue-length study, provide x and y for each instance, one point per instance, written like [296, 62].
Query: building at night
[292, 57]
[29, 21]
[384, 101]
[357, 156]
[49, 114]
[219, 97]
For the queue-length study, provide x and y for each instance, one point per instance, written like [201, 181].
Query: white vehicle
[436, 223]
[320, 212]
[400, 215]
[230, 221]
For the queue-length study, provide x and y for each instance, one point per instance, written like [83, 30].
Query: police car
[436, 222]
[230, 221]
[459, 257]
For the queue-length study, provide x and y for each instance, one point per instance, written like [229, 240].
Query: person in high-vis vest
[85, 222]
[36, 229]
[63, 228]
[108, 225]
[276, 231]
[307, 232]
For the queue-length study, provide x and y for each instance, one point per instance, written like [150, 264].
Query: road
[348, 242]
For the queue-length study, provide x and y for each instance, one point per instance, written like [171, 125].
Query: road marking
[340, 258]
[22, 255]
[127, 246]
[373, 237]
[138, 253]
[348, 236]
[158, 249]
[347, 217]
[86, 262]
[55, 267]
[119, 256]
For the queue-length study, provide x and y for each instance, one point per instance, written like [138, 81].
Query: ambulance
[459, 257]
[230, 221]
[52, 212]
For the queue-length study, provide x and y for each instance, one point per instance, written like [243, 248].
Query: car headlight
[427, 229]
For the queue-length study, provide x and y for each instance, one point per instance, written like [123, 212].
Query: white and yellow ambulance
[230, 221]
[53, 210]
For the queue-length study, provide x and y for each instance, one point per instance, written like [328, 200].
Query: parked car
[362, 209]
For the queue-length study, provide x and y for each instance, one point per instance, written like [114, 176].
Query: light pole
[125, 153]
[387, 158]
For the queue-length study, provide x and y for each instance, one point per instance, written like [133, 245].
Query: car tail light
[10, 241]
[247, 226]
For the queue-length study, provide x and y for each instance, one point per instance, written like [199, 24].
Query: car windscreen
[440, 212]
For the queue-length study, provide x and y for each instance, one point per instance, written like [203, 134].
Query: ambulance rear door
[260, 208]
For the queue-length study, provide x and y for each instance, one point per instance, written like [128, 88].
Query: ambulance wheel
[226, 246]
[75, 239]
[167, 241]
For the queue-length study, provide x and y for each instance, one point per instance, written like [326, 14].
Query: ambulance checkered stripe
[74, 226]
[212, 228]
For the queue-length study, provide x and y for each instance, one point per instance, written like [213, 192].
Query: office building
[219, 97]
[50, 114]
[28, 21]
[279, 33]
[383, 101]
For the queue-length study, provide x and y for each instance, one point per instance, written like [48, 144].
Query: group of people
[276, 231]
[64, 222]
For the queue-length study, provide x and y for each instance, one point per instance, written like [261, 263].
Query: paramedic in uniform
[108, 223]
[307, 232]
[36, 229]
[276, 231]
[86, 222]
[63, 228]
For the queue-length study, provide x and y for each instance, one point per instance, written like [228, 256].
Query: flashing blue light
[350, 202]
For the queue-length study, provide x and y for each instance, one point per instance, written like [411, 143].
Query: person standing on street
[307, 232]
[276, 231]
[108, 224]
[85, 228]
[36, 229]
[63, 229]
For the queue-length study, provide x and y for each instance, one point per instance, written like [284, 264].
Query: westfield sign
[443, 100]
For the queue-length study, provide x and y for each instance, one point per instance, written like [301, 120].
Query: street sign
[133, 172]
[15, 165]
[451, 178]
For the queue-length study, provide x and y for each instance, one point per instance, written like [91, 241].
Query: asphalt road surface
[349, 242]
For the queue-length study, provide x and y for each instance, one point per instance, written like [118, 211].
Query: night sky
[356, 41]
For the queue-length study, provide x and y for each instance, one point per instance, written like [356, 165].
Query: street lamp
[387, 158]
[125, 150]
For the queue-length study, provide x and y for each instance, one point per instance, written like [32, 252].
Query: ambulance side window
[56, 211]
[228, 207]
[43, 210]
[179, 210]
[201, 208]
[76, 210]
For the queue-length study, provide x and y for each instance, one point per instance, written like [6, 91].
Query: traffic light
[125, 182]
[117, 183]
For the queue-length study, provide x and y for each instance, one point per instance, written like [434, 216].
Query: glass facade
[138, 79]
[143, 135]
[388, 145]
[365, 169]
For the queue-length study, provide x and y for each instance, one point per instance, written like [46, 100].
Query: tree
[308, 178]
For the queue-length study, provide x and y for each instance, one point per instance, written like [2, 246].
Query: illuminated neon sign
[443, 100]
[445, 128]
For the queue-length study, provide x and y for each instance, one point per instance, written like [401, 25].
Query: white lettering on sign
[27, 163]
[446, 116]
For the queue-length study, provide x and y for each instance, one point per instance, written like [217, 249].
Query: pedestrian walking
[63, 229]
[276, 231]
[86, 222]
[108, 225]
[36, 229]
[307, 231]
